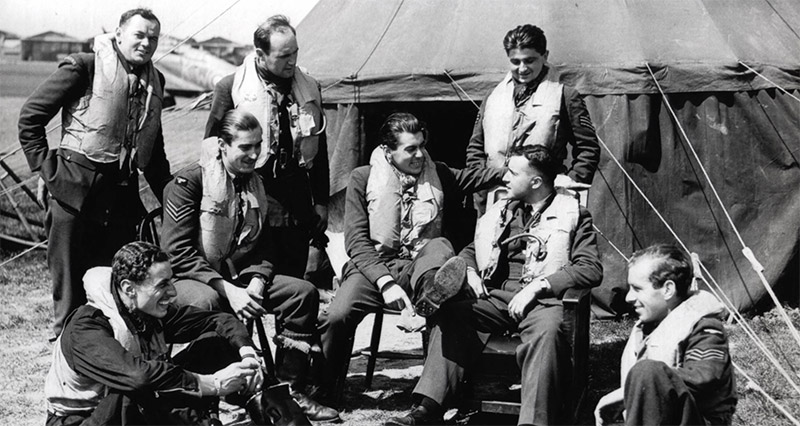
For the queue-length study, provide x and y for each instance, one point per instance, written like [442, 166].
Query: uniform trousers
[656, 395]
[294, 302]
[79, 241]
[461, 330]
[358, 297]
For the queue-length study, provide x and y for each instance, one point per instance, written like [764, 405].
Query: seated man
[112, 365]
[396, 221]
[216, 232]
[528, 250]
[676, 368]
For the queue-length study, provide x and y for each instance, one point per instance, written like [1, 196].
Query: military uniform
[112, 367]
[680, 373]
[462, 324]
[573, 126]
[295, 302]
[297, 188]
[95, 205]
[359, 293]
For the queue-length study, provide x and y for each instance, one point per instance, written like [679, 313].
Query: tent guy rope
[746, 251]
[785, 92]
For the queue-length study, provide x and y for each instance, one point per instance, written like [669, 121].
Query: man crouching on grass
[112, 363]
[676, 367]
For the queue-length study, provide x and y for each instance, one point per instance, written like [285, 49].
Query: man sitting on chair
[396, 224]
[528, 250]
[112, 363]
[216, 232]
[676, 367]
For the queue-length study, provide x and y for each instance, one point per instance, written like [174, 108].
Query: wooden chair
[498, 391]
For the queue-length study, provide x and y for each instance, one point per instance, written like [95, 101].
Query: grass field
[25, 313]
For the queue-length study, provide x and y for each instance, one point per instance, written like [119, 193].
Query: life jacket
[534, 123]
[664, 343]
[108, 121]
[384, 203]
[252, 94]
[217, 239]
[68, 392]
[556, 228]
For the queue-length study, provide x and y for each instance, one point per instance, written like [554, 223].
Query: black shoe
[315, 411]
[274, 406]
[446, 283]
[418, 415]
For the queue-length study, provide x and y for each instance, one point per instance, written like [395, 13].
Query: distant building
[51, 46]
[225, 49]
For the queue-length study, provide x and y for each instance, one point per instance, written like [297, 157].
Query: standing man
[110, 104]
[216, 231]
[531, 107]
[676, 367]
[294, 161]
[528, 250]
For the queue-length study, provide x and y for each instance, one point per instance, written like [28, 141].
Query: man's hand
[476, 284]
[41, 192]
[322, 212]
[239, 377]
[608, 407]
[518, 304]
[566, 182]
[243, 305]
[393, 294]
[256, 288]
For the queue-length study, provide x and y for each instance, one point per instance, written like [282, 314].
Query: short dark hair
[526, 37]
[273, 24]
[401, 122]
[133, 261]
[141, 11]
[673, 264]
[540, 158]
[237, 120]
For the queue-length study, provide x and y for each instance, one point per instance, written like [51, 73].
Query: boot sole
[446, 283]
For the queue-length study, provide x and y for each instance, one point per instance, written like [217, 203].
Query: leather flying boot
[418, 415]
[314, 410]
[274, 406]
[293, 369]
[446, 283]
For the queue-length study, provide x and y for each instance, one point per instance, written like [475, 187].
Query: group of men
[236, 229]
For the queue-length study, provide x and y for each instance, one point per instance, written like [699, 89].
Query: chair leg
[426, 335]
[266, 353]
[373, 347]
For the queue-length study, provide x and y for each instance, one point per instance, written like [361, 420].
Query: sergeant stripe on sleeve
[178, 213]
[705, 355]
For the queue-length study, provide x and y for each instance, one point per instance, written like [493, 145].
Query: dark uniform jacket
[90, 349]
[583, 271]
[301, 191]
[575, 127]
[181, 229]
[706, 369]
[75, 176]
[455, 184]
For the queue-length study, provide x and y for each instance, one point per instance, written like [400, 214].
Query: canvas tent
[434, 58]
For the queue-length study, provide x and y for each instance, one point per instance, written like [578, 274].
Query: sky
[180, 18]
